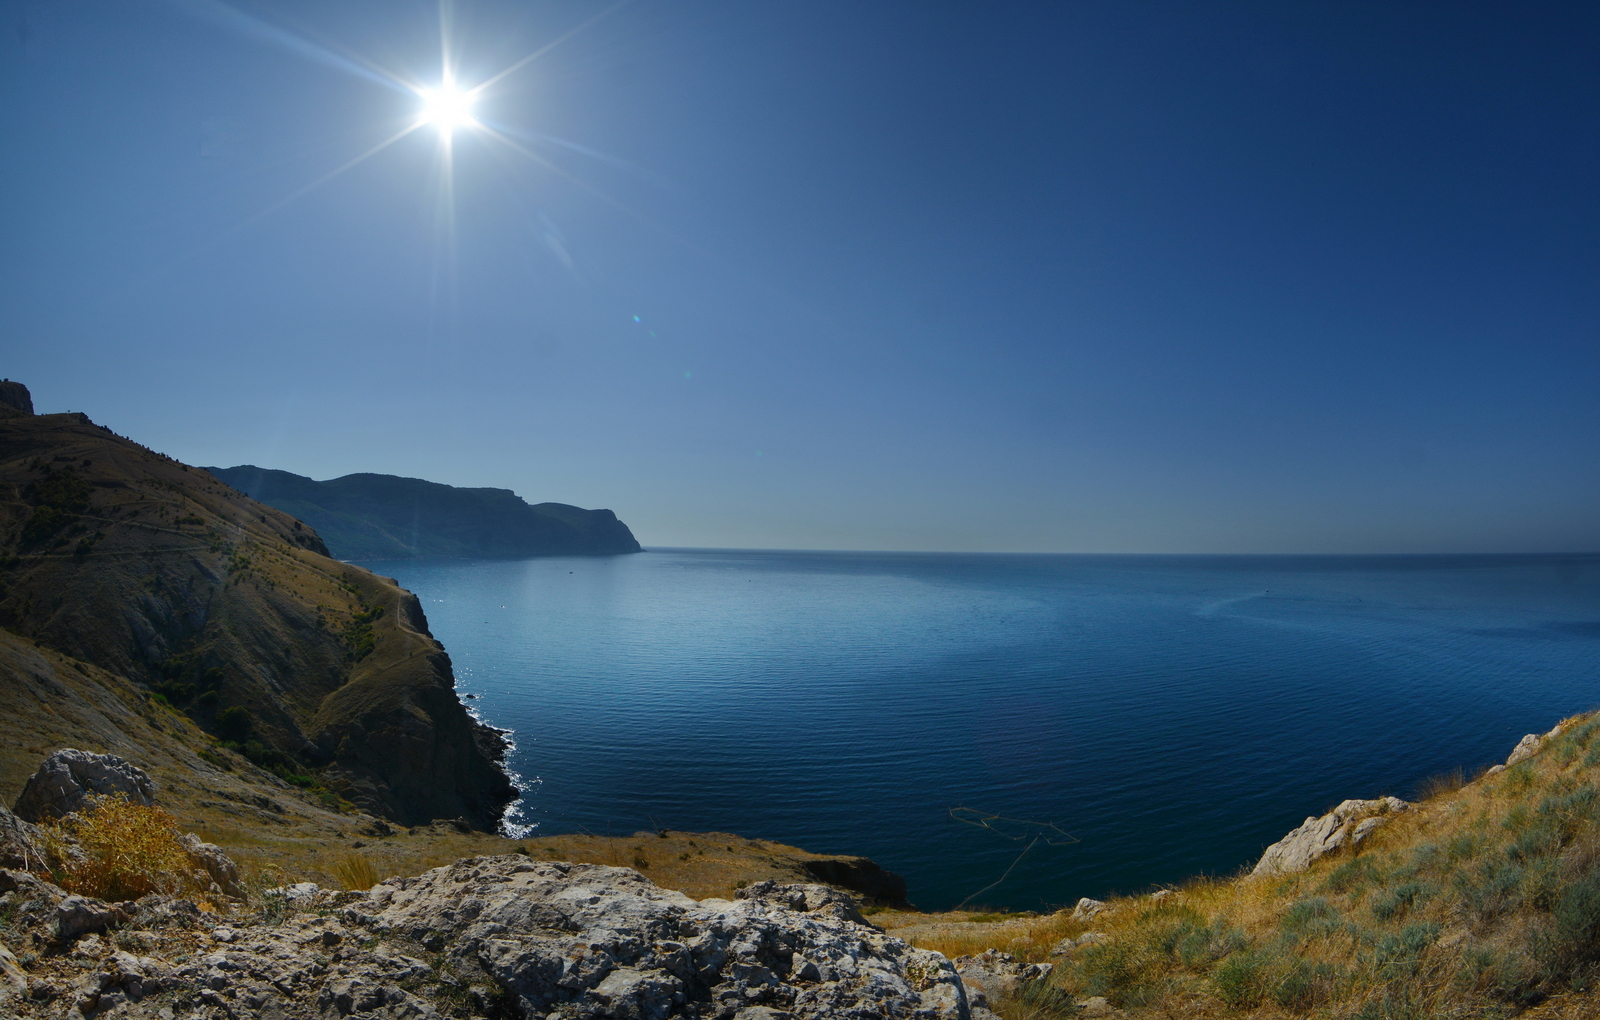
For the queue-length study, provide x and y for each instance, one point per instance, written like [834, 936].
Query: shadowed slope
[157, 572]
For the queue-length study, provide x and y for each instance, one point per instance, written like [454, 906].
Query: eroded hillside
[231, 613]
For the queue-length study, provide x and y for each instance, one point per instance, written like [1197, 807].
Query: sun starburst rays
[444, 104]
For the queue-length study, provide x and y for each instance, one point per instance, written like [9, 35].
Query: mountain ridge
[376, 516]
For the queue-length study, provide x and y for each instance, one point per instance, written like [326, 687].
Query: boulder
[13, 979]
[19, 843]
[217, 866]
[64, 783]
[596, 941]
[993, 974]
[82, 915]
[804, 898]
[1068, 946]
[1087, 908]
[1346, 825]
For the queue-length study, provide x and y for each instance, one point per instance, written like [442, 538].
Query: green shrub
[1576, 913]
[1464, 847]
[1494, 890]
[1351, 876]
[1398, 956]
[235, 723]
[1307, 984]
[1400, 899]
[1206, 945]
[1108, 967]
[1314, 912]
[1240, 980]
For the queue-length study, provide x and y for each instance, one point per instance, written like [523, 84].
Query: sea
[1008, 732]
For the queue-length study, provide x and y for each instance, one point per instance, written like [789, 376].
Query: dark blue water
[1167, 715]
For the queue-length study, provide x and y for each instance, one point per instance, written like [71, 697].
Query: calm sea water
[1129, 720]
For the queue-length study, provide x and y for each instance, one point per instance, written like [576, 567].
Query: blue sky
[1118, 276]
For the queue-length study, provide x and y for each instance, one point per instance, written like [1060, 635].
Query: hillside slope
[232, 612]
[368, 516]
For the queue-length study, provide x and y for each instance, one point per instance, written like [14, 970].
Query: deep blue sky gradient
[1114, 276]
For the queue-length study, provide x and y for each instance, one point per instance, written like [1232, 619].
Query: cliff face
[367, 516]
[15, 398]
[159, 574]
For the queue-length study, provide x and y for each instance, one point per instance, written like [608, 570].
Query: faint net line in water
[1014, 829]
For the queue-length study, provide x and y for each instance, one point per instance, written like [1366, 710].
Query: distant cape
[366, 516]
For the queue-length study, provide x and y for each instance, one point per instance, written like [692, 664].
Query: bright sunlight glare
[447, 107]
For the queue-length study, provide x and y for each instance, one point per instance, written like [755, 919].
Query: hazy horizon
[1082, 278]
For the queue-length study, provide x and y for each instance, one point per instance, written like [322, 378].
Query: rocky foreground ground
[488, 936]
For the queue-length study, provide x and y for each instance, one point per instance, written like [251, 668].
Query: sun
[447, 107]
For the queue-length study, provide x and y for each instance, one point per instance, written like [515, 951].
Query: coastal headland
[294, 713]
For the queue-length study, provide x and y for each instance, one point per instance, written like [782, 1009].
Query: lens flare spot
[447, 107]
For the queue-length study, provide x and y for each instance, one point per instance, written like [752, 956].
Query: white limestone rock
[1346, 825]
[1532, 744]
[66, 780]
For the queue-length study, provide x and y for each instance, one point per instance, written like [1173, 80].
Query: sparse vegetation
[117, 850]
[58, 499]
[356, 873]
[359, 633]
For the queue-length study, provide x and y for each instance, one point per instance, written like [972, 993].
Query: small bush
[125, 851]
[1307, 984]
[1240, 980]
[1351, 876]
[1400, 899]
[1463, 847]
[1398, 957]
[1313, 913]
[235, 723]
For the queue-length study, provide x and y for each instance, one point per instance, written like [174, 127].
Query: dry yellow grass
[123, 851]
[356, 873]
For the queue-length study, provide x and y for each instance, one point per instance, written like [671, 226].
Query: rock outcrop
[218, 869]
[992, 974]
[19, 843]
[487, 936]
[69, 777]
[15, 397]
[1346, 825]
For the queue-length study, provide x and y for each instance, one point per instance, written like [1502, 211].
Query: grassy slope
[1482, 901]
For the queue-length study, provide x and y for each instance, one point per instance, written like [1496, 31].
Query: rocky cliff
[368, 516]
[176, 587]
